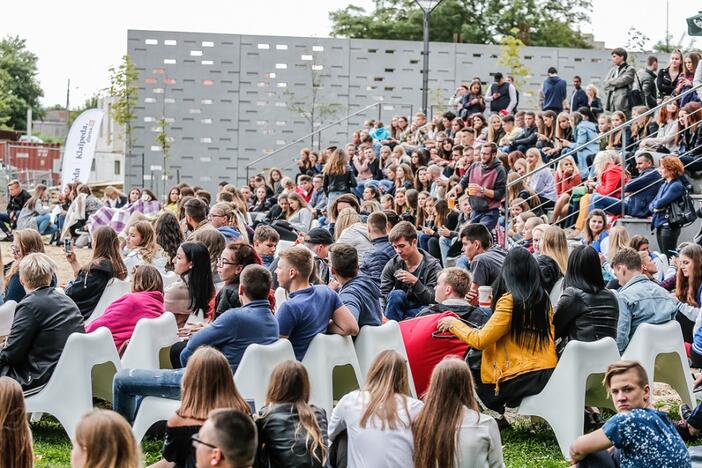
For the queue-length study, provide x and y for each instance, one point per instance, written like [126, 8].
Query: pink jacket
[122, 315]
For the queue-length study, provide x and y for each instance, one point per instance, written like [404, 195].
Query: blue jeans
[486, 218]
[610, 205]
[44, 225]
[445, 244]
[423, 240]
[4, 221]
[463, 262]
[399, 307]
[130, 386]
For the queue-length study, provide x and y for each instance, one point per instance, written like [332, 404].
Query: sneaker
[8, 238]
[685, 411]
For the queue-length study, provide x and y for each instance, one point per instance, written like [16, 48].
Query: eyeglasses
[221, 262]
[196, 440]
[212, 215]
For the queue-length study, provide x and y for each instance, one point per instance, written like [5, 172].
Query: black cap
[319, 236]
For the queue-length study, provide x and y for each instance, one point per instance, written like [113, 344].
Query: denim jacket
[642, 301]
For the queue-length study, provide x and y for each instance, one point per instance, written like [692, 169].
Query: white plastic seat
[280, 297]
[556, 292]
[254, 371]
[150, 336]
[7, 315]
[282, 245]
[372, 340]
[151, 411]
[324, 353]
[115, 289]
[575, 383]
[85, 369]
[168, 279]
[660, 350]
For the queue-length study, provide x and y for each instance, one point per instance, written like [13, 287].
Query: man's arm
[512, 98]
[387, 282]
[219, 331]
[623, 324]
[589, 443]
[624, 79]
[343, 322]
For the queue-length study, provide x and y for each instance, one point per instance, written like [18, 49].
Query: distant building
[54, 125]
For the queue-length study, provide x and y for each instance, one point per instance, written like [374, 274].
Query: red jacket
[566, 184]
[611, 181]
[122, 315]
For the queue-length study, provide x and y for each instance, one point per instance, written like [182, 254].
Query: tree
[311, 106]
[19, 87]
[548, 23]
[511, 58]
[123, 88]
[90, 103]
[164, 141]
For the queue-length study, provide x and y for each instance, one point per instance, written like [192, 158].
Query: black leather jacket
[43, 322]
[585, 316]
[280, 443]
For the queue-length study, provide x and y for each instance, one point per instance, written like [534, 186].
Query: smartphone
[68, 246]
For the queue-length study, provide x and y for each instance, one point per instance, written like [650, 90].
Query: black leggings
[667, 238]
[511, 391]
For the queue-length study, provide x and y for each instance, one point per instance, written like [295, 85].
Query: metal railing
[378, 104]
[573, 151]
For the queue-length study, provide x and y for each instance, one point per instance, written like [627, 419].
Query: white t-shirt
[371, 447]
[479, 444]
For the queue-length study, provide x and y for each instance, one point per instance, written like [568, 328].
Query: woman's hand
[445, 323]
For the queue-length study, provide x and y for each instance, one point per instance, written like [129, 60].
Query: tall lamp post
[427, 7]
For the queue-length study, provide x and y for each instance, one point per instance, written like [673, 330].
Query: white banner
[80, 147]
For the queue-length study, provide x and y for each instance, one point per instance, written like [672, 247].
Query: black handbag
[681, 213]
[636, 97]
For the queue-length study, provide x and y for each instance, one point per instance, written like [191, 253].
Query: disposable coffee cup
[484, 296]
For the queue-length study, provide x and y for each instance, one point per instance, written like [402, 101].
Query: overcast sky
[80, 39]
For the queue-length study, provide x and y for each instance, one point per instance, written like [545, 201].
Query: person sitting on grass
[642, 436]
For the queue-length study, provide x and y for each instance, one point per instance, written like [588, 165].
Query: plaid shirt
[117, 218]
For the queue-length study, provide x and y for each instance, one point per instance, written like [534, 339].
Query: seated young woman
[92, 278]
[208, 384]
[378, 418]
[145, 301]
[291, 432]
[15, 434]
[103, 438]
[142, 248]
[519, 354]
[25, 242]
[194, 289]
[450, 431]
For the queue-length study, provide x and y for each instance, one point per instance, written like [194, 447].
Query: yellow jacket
[503, 359]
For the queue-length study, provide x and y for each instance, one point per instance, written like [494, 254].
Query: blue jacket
[374, 261]
[642, 301]
[234, 330]
[554, 93]
[584, 132]
[649, 181]
[362, 296]
[578, 99]
[667, 194]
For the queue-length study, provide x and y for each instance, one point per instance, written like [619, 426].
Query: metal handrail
[624, 162]
[606, 134]
[302, 138]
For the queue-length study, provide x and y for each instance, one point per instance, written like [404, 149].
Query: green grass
[524, 446]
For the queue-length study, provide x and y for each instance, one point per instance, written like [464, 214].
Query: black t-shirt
[486, 267]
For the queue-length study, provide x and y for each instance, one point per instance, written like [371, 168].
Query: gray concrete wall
[227, 96]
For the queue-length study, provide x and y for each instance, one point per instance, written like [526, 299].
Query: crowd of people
[487, 232]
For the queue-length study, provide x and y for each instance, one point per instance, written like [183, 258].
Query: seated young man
[408, 280]
[643, 436]
[227, 439]
[231, 333]
[44, 319]
[374, 261]
[265, 242]
[485, 261]
[424, 350]
[309, 310]
[640, 299]
[357, 292]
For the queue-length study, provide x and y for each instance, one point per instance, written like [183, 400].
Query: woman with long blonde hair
[15, 434]
[143, 249]
[207, 384]
[450, 431]
[104, 439]
[291, 432]
[554, 244]
[379, 417]
[350, 230]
